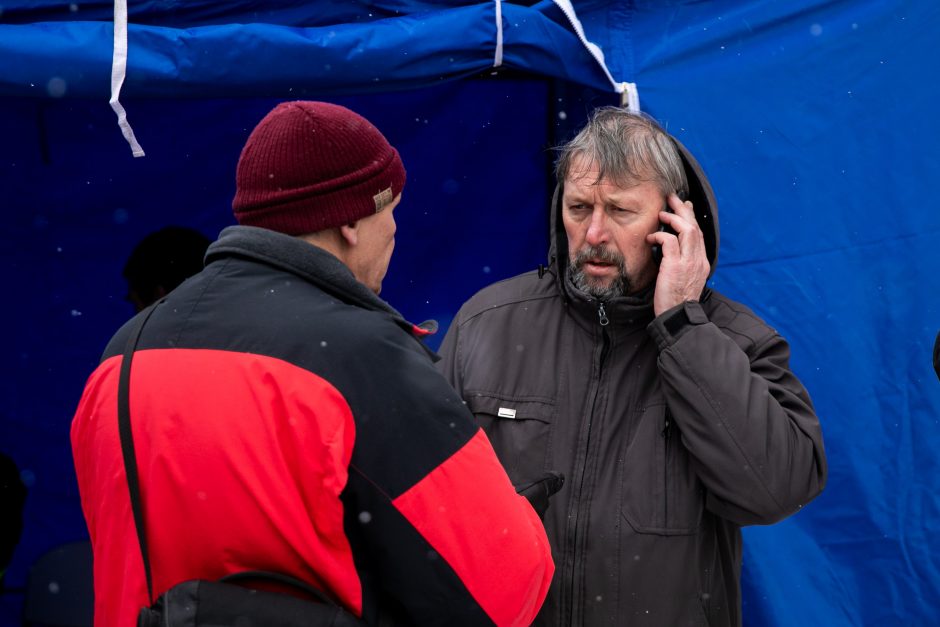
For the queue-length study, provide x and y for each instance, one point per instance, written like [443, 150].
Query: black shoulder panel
[403, 408]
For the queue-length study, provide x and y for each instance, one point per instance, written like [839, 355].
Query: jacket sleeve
[443, 528]
[746, 420]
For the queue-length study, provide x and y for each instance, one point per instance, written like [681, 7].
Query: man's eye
[620, 211]
[578, 207]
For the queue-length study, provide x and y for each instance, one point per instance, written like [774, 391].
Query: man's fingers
[682, 217]
[681, 207]
[683, 222]
[668, 242]
[689, 241]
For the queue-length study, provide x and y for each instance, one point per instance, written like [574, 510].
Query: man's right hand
[684, 268]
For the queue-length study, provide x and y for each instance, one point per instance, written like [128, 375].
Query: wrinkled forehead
[586, 190]
[588, 170]
[587, 175]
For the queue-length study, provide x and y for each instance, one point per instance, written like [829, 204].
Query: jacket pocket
[519, 430]
[660, 492]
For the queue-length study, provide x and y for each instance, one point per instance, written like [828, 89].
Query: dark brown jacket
[672, 433]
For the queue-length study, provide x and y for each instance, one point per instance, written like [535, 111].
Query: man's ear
[350, 233]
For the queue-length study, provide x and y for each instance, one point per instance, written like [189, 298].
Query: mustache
[598, 253]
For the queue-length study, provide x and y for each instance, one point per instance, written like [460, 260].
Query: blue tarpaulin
[814, 119]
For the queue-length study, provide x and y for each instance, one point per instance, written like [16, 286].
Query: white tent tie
[118, 72]
[498, 58]
[621, 88]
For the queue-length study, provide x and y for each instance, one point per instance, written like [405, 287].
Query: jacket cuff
[673, 323]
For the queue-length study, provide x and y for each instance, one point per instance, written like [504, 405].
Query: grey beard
[620, 286]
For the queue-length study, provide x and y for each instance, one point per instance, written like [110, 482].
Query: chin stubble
[618, 287]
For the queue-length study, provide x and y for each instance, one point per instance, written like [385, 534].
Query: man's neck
[328, 240]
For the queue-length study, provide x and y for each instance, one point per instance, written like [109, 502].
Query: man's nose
[597, 232]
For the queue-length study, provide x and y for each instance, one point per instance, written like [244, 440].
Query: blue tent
[814, 119]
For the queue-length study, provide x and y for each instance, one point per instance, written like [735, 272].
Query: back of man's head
[626, 148]
[309, 166]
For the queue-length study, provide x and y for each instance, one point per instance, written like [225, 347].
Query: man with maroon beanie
[287, 419]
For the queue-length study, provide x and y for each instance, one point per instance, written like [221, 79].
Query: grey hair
[626, 148]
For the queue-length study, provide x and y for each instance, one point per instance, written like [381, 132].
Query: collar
[620, 311]
[309, 262]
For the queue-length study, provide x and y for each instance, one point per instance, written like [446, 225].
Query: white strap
[498, 58]
[568, 9]
[118, 71]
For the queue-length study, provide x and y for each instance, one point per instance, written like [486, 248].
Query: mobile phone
[665, 228]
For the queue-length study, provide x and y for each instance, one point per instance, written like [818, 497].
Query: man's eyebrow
[622, 203]
[573, 193]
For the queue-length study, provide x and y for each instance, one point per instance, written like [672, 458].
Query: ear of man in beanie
[310, 166]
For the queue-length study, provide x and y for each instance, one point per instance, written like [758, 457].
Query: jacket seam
[516, 301]
[743, 312]
[773, 335]
[713, 406]
[739, 310]
[198, 300]
[369, 480]
[525, 399]
[754, 343]
[457, 362]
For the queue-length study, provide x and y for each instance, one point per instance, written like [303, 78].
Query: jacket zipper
[665, 433]
[603, 320]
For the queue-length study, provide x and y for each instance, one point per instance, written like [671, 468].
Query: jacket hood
[700, 193]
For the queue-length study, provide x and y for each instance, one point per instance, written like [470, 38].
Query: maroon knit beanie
[310, 166]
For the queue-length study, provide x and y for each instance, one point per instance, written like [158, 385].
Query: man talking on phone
[670, 409]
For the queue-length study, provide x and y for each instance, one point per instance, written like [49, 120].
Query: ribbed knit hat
[310, 166]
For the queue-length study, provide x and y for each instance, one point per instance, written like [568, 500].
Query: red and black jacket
[287, 419]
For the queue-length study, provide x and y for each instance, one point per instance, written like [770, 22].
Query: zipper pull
[665, 431]
[602, 315]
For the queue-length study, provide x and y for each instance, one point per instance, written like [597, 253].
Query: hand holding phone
[684, 276]
[663, 228]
